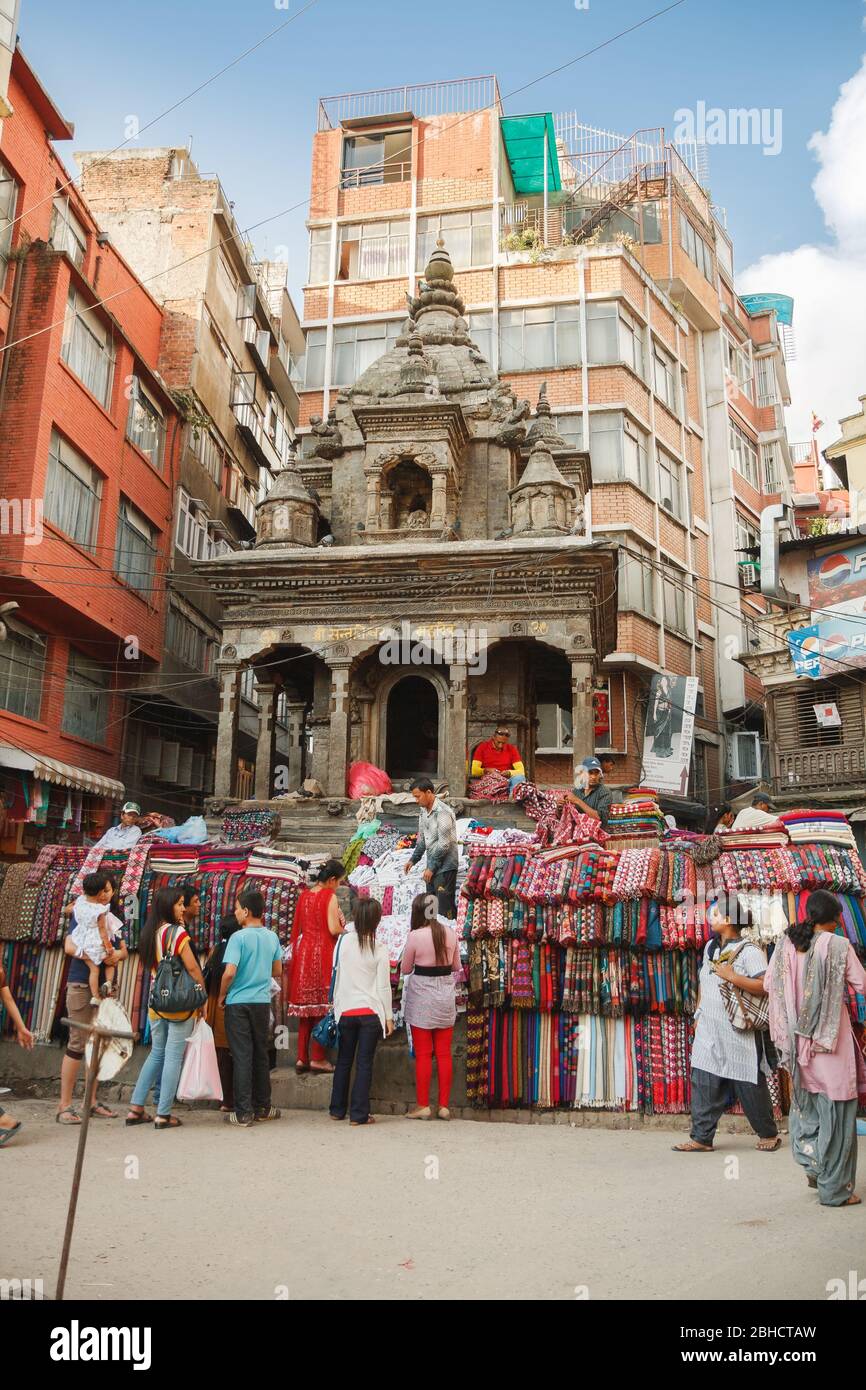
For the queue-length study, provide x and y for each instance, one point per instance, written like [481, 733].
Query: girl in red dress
[318, 922]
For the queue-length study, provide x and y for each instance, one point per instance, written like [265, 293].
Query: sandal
[692, 1148]
[69, 1110]
[422, 1113]
[323, 1069]
[301, 1068]
[245, 1123]
[6, 1134]
[167, 1122]
[102, 1112]
[853, 1201]
[370, 1120]
[138, 1117]
[769, 1146]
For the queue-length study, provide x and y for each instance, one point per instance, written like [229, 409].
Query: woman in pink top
[808, 981]
[431, 961]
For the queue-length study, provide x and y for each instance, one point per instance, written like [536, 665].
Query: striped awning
[46, 769]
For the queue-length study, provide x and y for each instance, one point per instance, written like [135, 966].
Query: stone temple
[420, 575]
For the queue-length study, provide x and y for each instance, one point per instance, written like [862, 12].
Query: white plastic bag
[200, 1074]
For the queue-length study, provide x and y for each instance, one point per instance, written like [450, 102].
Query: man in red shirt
[496, 754]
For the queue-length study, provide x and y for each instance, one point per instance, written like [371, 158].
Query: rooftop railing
[425, 99]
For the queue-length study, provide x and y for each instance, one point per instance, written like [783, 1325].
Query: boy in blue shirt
[253, 957]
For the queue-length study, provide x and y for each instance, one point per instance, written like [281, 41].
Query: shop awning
[525, 144]
[46, 769]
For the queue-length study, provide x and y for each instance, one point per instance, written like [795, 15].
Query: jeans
[248, 1029]
[360, 1033]
[161, 1071]
[444, 885]
[514, 781]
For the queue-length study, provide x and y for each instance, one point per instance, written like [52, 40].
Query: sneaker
[270, 1114]
[244, 1122]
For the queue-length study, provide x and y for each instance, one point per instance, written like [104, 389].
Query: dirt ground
[306, 1208]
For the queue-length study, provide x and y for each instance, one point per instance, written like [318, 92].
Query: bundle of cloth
[823, 826]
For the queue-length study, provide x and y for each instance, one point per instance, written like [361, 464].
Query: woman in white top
[362, 1008]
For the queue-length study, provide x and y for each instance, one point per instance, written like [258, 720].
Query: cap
[759, 797]
[130, 808]
[591, 764]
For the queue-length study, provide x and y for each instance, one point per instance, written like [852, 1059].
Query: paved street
[318, 1210]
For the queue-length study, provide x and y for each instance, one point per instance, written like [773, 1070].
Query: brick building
[594, 263]
[229, 339]
[88, 445]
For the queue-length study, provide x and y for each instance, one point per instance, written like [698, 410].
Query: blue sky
[102, 61]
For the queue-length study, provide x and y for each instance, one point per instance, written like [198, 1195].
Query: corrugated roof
[524, 145]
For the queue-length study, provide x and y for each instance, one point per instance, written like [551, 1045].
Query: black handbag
[174, 990]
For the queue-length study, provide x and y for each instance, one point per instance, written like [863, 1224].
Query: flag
[816, 423]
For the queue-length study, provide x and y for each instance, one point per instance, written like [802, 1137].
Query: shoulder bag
[748, 1013]
[327, 1031]
[174, 990]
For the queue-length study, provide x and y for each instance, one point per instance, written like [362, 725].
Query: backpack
[174, 990]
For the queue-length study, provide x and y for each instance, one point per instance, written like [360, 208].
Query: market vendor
[125, 835]
[496, 754]
[597, 801]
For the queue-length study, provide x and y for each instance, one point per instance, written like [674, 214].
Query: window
[637, 580]
[744, 456]
[797, 727]
[357, 345]
[670, 484]
[618, 450]
[664, 378]
[22, 667]
[86, 348]
[8, 204]
[189, 643]
[652, 222]
[192, 537]
[209, 452]
[249, 689]
[613, 335]
[8, 22]
[738, 364]
[373, 251]
[371, 159]
[696, 248]
[67, 234]
[468, 238]
[675, 607]
[72, 493]
[480, 331]
[766, 377]
[531, 338]
[748, 537]
[314, 357]
[85, 701]
[570, 426]
[145, 426]
[772, 465]
[320, 255]
[554, 729]
[135, 552]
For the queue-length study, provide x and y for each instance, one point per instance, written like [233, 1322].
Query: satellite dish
[116, 1052]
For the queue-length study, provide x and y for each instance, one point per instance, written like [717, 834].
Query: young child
[95, 927]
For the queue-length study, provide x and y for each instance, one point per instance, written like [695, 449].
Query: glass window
[744, 456]
[480, 331]
[314, 357]
[192, 537]
[372, 159]
[543, 337]
[670, 484]
[72, 493]
[601, 332]
[8, 204]
[637, 580]
[145, 426]
[772, 467]
[194, 647]
[468, 238]
[86, 696]
[320, 255]
[664, 380]
[358, 345]
[652, 222]
[570, 426]
[748, 537]
[209, 452]
[135, 552]
[67, 234]
[22, 668]
[86, 348]
[738, 364]
[373, 250]
[696, 248]
[766, 378]
[618, 450]
[674, 598]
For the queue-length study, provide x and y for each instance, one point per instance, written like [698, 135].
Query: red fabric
[357, 1013]
[365, 779]
[426, 1041]
[312, 956]
[308, 1044]
[496, 759]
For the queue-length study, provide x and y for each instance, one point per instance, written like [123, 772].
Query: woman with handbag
[362, 1011]
[164, 938]
[731, 1063]
[430, 968]
[810, 976]
[318, 923]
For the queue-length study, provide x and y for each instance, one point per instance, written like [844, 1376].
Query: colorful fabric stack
[818, 827]
[636, 822]
[250, 823]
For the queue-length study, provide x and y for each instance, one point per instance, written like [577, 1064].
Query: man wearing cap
[597, 802]
[125, 835]
[496, 754]
[756, 816]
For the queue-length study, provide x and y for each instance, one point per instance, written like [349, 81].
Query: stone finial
[437, 291]
[543, 425]
[542, 503]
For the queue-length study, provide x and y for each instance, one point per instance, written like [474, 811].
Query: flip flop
[6, 1134]
[691, 1148]
[76, 1118]
[770, 1149]
[102, 1112]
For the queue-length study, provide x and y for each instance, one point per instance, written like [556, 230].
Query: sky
[797, 215]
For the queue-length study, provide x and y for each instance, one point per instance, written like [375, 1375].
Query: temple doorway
[412, 729]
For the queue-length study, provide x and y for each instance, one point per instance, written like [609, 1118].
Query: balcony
[258, 341]
[426, 99]
[813, 768]
[371, 175]
[281, 371]
[251, 423]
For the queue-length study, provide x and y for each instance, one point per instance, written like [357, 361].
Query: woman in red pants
[318, 922]
[431, 963]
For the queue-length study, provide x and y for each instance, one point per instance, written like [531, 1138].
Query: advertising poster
[670, 726]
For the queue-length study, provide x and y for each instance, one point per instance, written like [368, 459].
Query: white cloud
[827, 282]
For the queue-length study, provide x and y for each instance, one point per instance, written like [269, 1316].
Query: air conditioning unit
[152, 757]
[169, 762]
[750, 575]
[746, 757]
[184, 766]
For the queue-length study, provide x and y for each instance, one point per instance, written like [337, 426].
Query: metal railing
[820, 767]
[387, 171]
[803, 452]
[453, 97]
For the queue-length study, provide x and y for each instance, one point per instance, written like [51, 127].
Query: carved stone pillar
[319, 726]
[295, 721]
[267, 693]
[373, 480]
[456, 731]
[439, 504]
[582, 717]
[225, 769]
[365, 701]
[339, 740]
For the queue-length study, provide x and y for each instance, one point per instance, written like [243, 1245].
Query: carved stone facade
[456, 589]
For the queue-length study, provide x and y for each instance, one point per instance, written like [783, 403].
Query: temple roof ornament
[542, 503]
[543, 425]
[289, 515]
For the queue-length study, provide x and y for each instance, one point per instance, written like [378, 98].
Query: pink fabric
[833, 1073]
[419, 950]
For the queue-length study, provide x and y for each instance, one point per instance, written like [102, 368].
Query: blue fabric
[253, 950]
[161, 1071]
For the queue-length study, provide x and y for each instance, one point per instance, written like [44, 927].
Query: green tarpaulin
[524, 145]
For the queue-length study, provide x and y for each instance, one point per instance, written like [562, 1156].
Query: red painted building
[89, 439]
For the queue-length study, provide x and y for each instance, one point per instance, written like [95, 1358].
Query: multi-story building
[88, 434]
[594, 263]
[229, 340]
